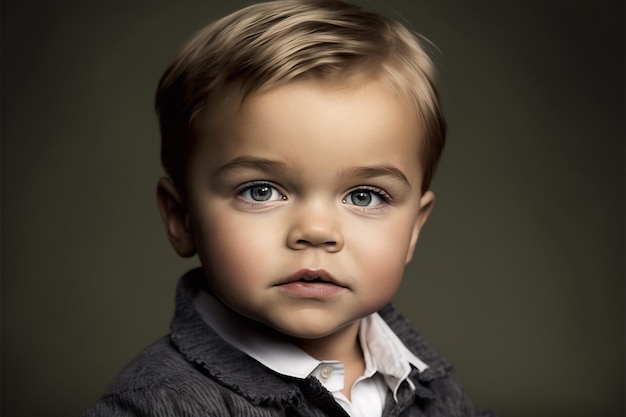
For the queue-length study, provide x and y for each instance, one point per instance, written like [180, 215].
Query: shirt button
[326, 371]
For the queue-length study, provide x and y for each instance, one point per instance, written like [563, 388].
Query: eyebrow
[376, 171]
[269, 165]
[245, 162]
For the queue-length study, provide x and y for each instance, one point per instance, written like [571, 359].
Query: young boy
[300, 139]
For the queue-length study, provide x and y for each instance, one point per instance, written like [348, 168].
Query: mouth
[312, 277]
[307, 283]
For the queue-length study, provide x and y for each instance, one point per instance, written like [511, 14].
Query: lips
[311, 276]
[307, 283]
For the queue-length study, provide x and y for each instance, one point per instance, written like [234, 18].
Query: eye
[367, 197]
[260, 192]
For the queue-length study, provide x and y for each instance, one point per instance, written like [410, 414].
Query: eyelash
[255, 184]
[384, 196]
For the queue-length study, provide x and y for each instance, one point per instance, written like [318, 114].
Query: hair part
[269, 44]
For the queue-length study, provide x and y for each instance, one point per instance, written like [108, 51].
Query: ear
[426, 206]
[175, 217]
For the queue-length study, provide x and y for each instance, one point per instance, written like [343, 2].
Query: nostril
[309, 243]
[326, 238]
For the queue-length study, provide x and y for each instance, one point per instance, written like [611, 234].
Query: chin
[305, 333]
[311, 331]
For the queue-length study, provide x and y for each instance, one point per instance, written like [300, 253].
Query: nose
[315, 227]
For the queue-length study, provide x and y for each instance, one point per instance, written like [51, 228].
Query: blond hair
[269, 44]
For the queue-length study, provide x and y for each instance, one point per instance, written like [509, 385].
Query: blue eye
[366, 197]
[261, 192]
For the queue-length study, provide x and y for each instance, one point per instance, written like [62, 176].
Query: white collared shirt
[387, 361]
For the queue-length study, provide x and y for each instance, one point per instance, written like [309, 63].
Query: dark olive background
[519, 274]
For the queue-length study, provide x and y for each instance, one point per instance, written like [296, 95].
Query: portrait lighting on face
[305, 203]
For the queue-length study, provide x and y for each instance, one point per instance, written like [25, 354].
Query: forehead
[359, 118]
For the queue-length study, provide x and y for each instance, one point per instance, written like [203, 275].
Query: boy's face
[304, 204]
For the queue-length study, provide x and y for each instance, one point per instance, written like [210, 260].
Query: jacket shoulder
[159, 381]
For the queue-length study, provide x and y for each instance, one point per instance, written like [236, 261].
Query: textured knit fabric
[193, 372]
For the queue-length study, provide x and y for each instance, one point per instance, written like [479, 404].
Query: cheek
[382, 258]
[386, 274]
[233, 251]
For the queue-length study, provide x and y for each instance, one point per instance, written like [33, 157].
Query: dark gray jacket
[193, 372]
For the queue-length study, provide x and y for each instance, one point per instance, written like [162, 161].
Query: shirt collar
[383, 351]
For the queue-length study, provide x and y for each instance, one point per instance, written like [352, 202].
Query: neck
[343, 346]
